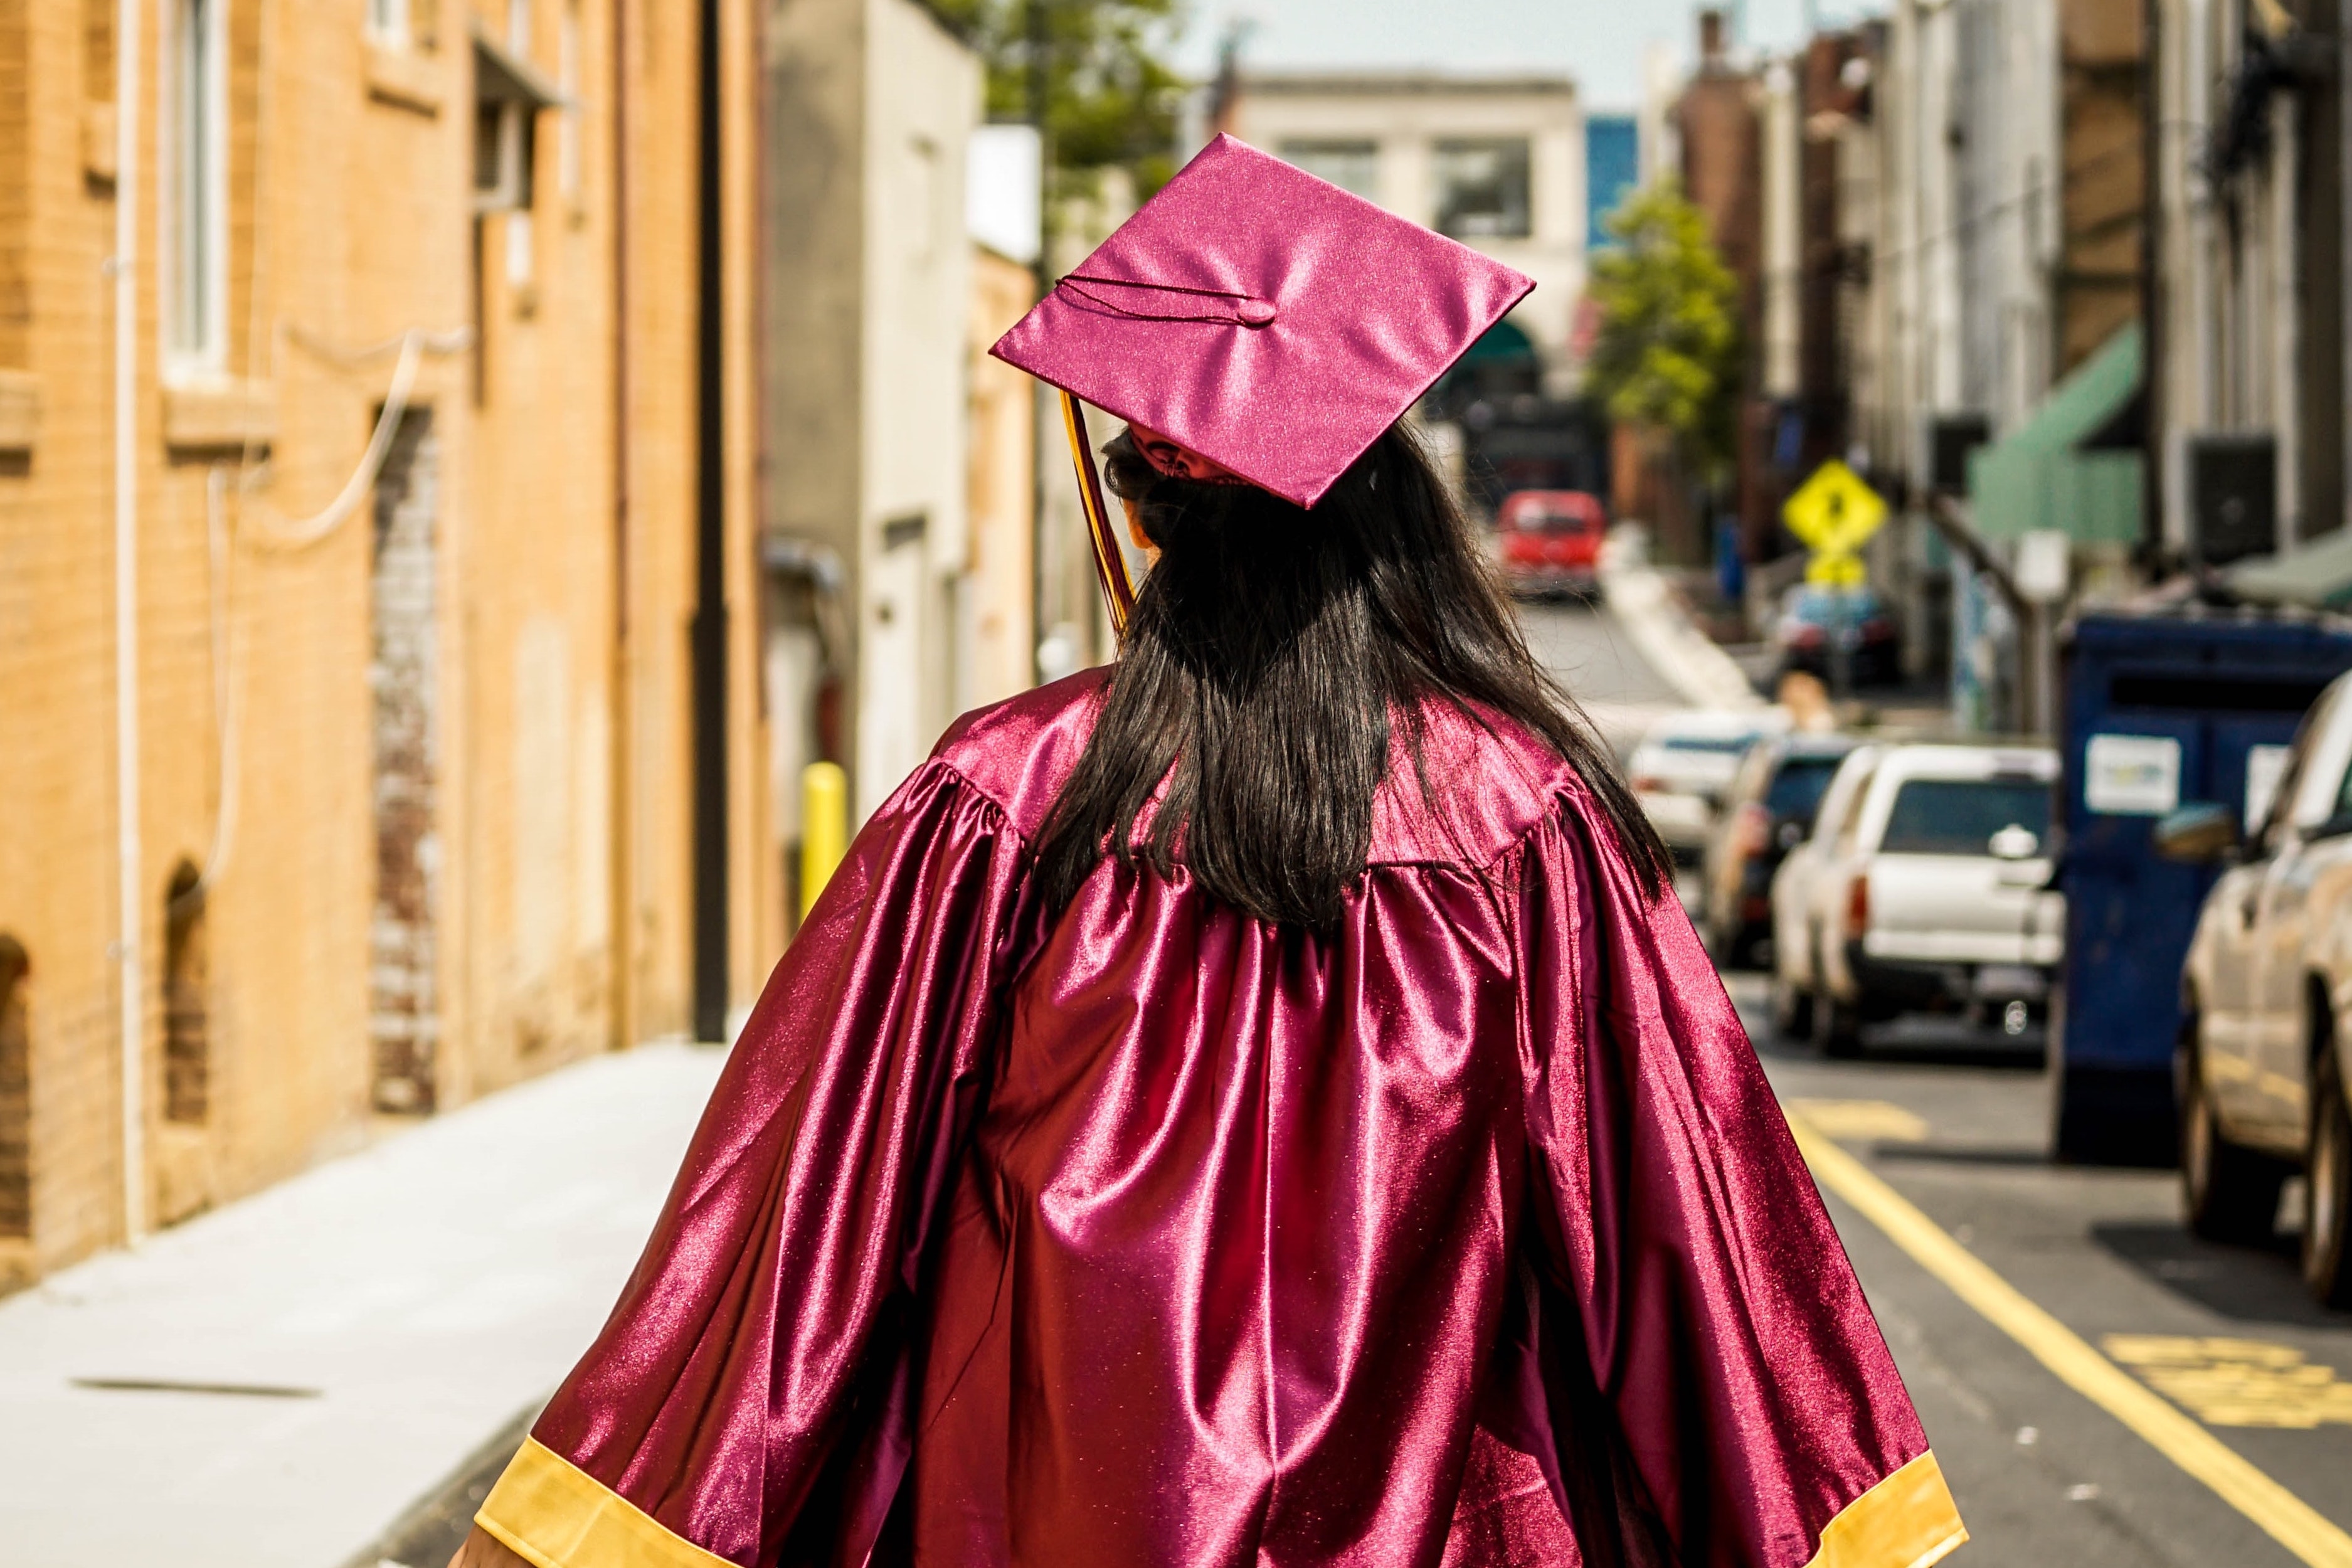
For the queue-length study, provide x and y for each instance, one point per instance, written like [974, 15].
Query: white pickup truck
[1924, 889]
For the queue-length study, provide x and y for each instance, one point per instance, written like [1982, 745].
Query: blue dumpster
[2159, 710]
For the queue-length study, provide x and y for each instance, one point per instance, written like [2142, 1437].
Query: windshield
[1960, 817]
[1796, 790]
[1721, 746]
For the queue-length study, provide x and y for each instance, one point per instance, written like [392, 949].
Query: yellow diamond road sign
[1833, 512]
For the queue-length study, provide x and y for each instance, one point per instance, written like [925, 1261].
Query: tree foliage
[1666, 353]
[1111, 101]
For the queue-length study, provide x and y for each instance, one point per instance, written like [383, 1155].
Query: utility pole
[708, 629]
[1039, 34]
[2154, 408]
[1040, 52]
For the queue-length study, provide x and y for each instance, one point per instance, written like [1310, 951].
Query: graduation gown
[1467, 1233]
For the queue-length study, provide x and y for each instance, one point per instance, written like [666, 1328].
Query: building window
[1354, 166]
[199, 185]
[1482, 189]
[567, 79]
[502, 156]
[387, 22]
[16, 1094]
[187, 1016]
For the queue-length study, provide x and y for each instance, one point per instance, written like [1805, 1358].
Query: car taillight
[1857, 906]
[1755, 828]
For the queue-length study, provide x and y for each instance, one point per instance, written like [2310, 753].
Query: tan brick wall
[560, 816]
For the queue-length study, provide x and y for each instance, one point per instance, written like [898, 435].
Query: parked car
[1550, 540]
[1766, 812]
[1815, 621]
[1685, 763]
[1793, 981]
[2266, 1005]
[1931, 893]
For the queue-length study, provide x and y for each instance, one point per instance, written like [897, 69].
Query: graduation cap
[1260, 318]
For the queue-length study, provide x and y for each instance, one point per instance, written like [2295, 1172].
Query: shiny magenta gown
[1469, 1233]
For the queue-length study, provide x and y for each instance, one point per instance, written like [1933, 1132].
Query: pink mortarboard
[1268, 320]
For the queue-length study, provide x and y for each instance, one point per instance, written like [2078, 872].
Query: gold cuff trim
[1907, 1520]
[558, 1516]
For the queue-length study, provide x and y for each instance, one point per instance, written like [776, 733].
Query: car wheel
[2228, 1193]
[2327, 1189]
[1793, 1010]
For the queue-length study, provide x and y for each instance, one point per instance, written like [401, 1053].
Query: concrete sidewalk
[320, 1356]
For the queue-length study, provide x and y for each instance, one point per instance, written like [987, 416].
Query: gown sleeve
[1708, 1342]
[749, 1400]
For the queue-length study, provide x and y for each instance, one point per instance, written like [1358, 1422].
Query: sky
[1599, 42]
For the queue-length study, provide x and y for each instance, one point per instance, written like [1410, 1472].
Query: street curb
[1689, 659]
[438, 1523]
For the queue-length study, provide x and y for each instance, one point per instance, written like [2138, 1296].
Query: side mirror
[2014, 842]
[2198, 835]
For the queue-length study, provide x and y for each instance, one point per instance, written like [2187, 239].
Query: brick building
[1718, 124]
[417, 490]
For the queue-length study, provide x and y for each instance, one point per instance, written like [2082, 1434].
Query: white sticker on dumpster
[2132, 775]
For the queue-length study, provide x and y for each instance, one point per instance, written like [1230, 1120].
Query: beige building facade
[380, 795]
[1496, 162]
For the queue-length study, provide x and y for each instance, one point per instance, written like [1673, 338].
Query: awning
[502, 76]
[2067, 468]
[1503, 341]
[2317, 575]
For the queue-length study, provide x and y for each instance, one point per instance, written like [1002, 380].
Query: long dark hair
[1267, 652]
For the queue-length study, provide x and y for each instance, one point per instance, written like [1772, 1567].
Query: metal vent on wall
[2233, 495]
[1951, 438]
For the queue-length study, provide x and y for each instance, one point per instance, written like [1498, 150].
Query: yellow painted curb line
[2284, 1517]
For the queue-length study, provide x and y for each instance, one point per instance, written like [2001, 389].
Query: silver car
[2266, 1006]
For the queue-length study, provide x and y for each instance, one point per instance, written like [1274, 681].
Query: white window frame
[197, 315]
[388, 23]
[567, 77]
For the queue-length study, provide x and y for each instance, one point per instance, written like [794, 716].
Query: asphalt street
[1959, 1127]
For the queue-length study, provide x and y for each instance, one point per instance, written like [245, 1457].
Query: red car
[1550, 540]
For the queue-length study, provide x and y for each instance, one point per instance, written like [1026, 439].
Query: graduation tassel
[1110, 563]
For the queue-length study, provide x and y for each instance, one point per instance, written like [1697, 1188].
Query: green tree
[1666, 354]
[1111, 101]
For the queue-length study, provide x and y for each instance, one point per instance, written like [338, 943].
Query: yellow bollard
[824, 827]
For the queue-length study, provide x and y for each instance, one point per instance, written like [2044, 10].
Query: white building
[1497, 163]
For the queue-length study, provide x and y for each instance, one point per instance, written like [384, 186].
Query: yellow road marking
[1865, 1121]
[2284, 1517]
[2237, 1383]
